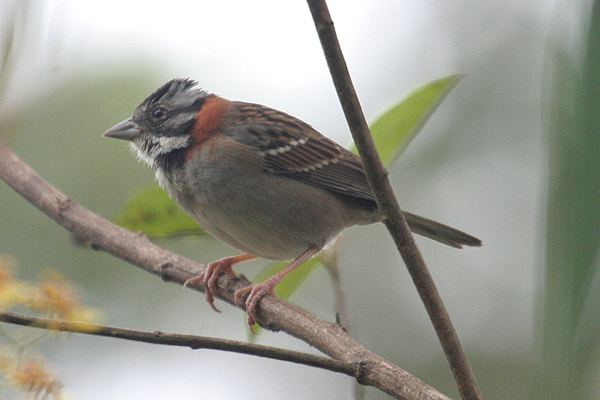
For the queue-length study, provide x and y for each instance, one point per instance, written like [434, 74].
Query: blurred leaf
[154, 213]
[293, 281]
[570, 310]
[394, 130]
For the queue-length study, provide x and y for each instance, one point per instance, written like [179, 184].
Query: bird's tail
[440, 232]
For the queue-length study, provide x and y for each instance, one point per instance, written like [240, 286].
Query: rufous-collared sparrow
[257, 179]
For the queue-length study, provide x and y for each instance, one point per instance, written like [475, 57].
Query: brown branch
[274, 313]
[394, 220]
[171, 339]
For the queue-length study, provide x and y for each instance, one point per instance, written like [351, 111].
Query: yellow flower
[57, 298]
[34, 377]
[12, 291]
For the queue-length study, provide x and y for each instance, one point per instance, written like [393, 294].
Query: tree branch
[193, 341]
[394, 220]
[274, 314]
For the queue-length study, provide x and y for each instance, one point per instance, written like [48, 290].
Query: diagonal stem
[394, 220]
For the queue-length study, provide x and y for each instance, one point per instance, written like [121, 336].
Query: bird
[257, 179]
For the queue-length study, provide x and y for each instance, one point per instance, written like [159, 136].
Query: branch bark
[274, 314]
[194, 342]
[377, 176]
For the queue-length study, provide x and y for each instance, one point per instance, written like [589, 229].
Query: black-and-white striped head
[161, 124]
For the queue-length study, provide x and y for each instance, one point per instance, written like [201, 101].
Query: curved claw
[257, 292]
[209, 277]
[207, 291]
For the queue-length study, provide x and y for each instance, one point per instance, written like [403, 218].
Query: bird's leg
[209, 277]
[259, 290]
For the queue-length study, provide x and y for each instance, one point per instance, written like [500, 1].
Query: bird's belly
[264, 220]
[267, 215]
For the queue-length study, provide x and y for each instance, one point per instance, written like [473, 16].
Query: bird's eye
[159, 114]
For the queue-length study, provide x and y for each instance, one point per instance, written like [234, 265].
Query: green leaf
[393, 131]
[154, 213]
[293, 281]
[570, 326]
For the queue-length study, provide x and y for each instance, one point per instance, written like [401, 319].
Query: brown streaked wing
[293, 148]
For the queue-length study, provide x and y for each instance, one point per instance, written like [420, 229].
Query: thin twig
[171, 339]
[394, 220]
[274, 313]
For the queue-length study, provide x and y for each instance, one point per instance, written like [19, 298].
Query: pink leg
[259, 290]
[213, 270]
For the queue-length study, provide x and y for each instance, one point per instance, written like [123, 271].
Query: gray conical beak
[126, 130]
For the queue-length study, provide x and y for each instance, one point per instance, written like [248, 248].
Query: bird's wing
[293, 148]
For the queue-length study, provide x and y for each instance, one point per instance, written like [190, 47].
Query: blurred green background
[510, 156]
